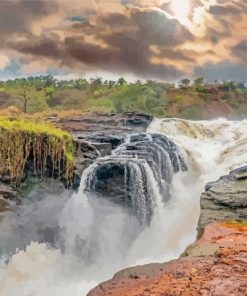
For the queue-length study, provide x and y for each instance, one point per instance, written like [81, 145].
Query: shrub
[202, 89]
[178, 98]
[10, 111]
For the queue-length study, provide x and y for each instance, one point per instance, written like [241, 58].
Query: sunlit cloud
[4, 61]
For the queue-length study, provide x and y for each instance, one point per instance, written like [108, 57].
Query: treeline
[33, 94]
[37, 94]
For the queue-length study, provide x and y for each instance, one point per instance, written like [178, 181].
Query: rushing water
[146, 211]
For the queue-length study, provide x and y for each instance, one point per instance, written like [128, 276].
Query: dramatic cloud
[144, 38]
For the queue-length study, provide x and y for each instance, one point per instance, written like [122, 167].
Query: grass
[237, 222]
[21, 139]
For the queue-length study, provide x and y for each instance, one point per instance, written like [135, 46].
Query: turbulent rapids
[139, 205]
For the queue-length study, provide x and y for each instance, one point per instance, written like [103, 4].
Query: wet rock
[225, 199]
[7, 191]
[240, 173]
[85, 154]
[7, 194]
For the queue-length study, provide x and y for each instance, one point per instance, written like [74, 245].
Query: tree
[199, 81]
[111, 83]
[184, 82]
[229, 85]
[48, 81]
[241, 85]
[121, 81]
[24, 98]
[80, 84]
[119, 107]
[30, 97]
[96, 83]
[49, 91]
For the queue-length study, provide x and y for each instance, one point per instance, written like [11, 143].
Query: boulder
[225, 199]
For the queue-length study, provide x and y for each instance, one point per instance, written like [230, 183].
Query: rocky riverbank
[216, 264]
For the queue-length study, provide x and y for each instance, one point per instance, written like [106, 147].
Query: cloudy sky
[149, 39]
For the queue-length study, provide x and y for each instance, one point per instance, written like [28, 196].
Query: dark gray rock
[120, 123]
[225, 199]
[7, 195]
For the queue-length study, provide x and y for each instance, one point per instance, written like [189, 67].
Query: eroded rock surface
[106, 131]
[225, 199]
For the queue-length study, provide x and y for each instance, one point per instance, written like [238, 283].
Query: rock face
[221, 271]
[7, 193]
[225, 199]
[119, 123]
[105, 131]
[216, 264]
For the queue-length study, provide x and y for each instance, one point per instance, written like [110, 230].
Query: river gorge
[138, 201]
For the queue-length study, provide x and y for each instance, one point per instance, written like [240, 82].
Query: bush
[11, 111]
[202, 89]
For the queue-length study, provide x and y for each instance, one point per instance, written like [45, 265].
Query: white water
[102, 232]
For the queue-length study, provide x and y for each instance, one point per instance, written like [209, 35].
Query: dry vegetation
[22, 138]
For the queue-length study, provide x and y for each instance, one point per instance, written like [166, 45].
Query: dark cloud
[40, 46]
[224, 70]
[223, 10]
[240, 51]
[115, 42]
[16, 16]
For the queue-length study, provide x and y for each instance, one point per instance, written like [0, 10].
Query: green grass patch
[237, 222]
[21, 139]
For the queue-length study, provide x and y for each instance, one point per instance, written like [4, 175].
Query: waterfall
[139, 205]
[124, 177]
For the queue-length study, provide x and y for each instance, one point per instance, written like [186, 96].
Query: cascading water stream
[130, 209]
